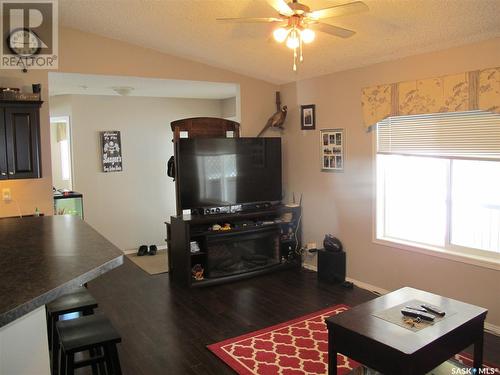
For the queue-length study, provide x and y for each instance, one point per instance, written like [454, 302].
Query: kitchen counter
[42, 258]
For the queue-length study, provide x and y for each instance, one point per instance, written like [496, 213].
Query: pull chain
[300, 46]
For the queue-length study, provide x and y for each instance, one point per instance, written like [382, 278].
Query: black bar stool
[92, 333]
[79, 301]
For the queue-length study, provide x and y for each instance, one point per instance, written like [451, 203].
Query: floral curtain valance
[479, 89]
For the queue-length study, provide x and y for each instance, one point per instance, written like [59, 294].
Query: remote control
[434, 310]
[416, 308]
[417, 314]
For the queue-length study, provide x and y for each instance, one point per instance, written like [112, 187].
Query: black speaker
[331, 266]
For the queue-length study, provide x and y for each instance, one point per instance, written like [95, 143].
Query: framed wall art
[111, 151]
[332, 143]
[308, 117]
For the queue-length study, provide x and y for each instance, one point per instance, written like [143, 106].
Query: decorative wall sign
[111, 151]
[332, 153]
[308, 117]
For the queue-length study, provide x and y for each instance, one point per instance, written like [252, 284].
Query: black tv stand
[256, 243]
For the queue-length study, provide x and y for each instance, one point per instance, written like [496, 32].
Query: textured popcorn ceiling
[187, 28]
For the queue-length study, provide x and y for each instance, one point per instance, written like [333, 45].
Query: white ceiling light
[123, 91]
[280, 34]
[307, 36]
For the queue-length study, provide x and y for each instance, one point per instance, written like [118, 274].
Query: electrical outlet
[6, 195]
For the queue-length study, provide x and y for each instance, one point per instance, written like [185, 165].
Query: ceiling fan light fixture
[299, 17]
[280, 34]
[307, 36]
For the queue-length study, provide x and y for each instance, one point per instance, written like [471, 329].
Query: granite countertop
[42, 258]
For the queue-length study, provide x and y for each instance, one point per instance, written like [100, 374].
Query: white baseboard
[370, 287]
[127, 252]
[488, 327]
[361, 284]
[491, 328]
[310, 267]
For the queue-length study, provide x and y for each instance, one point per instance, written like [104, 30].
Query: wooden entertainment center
[212, 248]
[187, 228]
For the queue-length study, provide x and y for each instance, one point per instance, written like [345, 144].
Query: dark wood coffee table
[392, 349]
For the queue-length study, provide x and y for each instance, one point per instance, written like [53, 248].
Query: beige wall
[229, 108]
[342, 203]
[127, 207]
[81, 52]
[88, 53]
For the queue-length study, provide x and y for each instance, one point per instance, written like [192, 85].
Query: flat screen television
[228, 171]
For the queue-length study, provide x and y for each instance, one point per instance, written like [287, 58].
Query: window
[65, 160]
[438, 183]
[219, 173]
[475, 204]
[60, 140]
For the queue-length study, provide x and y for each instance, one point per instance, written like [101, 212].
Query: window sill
[475, 260]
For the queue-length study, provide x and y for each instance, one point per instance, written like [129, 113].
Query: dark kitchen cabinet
[20, 140]
[3, 148]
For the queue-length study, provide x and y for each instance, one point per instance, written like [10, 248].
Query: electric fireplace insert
[234, 253]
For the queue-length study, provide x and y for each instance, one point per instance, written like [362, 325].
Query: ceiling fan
[297, 23]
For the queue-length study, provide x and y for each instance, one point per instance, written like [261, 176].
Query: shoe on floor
[143, 250]
[152, 250]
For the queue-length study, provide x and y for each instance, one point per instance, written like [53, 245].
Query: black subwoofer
[331, 266]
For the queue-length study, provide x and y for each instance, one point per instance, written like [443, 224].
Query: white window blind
[472, 134]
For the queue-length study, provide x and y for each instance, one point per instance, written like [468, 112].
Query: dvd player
[231, 209]
[214, 210]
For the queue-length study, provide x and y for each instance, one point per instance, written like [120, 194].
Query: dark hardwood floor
[165, 329]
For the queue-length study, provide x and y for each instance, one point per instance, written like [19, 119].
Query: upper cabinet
[20, 140]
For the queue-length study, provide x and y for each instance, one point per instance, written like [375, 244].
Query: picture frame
[308, 117]
[111, 151]
[332, 150]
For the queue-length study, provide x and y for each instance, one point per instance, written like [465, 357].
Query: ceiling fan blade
[333, 30]
[281, 6]
[250, 20]
[339, 10]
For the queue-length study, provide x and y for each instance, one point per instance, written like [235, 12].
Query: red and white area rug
[299, 346]
[296, 347]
